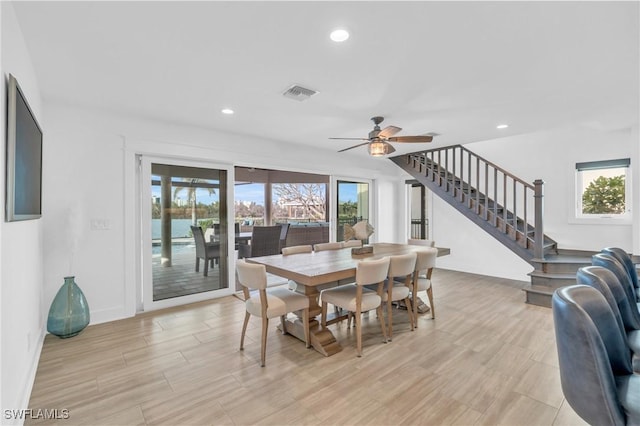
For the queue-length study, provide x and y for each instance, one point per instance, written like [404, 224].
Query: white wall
[22, 311]
[472, 249]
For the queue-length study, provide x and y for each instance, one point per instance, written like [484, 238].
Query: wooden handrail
[450, 175]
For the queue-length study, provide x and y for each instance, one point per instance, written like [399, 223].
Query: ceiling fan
[378, 140]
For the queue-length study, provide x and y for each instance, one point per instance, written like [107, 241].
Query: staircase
[505, 206]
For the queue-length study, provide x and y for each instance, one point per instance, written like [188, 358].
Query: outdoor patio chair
[265, 241]
[209, 252]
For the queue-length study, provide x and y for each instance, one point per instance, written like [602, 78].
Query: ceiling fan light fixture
[378, 149]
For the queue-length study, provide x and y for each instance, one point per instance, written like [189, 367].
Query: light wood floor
[487, 359]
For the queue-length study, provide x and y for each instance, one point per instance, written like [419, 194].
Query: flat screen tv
[24, 158]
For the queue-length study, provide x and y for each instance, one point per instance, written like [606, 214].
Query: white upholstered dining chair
[356, 298]
[352, 243]
[421, 281]
[327, 246]
[268, 303]
[287, 251]
[418, 242]
[398, 286]
[296, 249]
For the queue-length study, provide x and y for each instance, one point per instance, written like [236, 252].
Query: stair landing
[553, 272]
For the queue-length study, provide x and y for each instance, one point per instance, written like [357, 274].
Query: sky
[254, 192]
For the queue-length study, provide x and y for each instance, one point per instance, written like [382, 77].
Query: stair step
[560, 258]
[562, 263]
[553, 275]
[538, 296]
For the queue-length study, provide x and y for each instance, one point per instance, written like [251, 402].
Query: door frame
[427, 212]
[333, 203]
[145, 300]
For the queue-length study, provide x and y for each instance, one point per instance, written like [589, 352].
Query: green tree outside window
[604, 195]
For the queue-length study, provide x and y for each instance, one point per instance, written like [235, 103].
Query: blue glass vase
[69, 311]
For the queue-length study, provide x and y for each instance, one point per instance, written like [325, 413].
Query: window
[298, 202]
[266, 197]
[603, 189]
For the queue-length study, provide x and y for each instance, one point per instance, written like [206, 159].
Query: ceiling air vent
[298, 93]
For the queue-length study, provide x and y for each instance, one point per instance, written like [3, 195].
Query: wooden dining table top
[321, 267]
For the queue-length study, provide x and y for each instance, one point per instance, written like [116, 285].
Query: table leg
[322, 340]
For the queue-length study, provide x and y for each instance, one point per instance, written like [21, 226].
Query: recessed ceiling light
[339, 35]
[227, 111]
[502, 126]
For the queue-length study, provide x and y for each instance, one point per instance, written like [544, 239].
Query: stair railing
[487, 187]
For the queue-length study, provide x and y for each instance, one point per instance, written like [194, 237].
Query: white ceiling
[455, 68]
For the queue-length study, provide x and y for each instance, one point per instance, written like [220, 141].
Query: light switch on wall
[100, 224]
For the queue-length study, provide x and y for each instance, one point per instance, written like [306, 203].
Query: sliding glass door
[186, 243]
[352, 204]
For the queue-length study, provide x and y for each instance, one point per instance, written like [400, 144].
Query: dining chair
[352, 243]
[356, 299]
[209, 252]
[236, 229]
[268, 303]
[421, 280]
[398, 286]
[284, 230]
[327, 246]
[209, 235]
[297, 249]
[418, 242]
[265, 241]
[287, 251]
[595, 364]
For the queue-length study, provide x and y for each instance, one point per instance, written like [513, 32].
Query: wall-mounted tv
[24, 158]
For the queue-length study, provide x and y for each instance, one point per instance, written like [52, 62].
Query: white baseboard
[107, 315]
[24, 394]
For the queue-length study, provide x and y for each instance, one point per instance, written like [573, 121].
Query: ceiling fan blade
[390, 148]
[355, 146]
[388, 131]
[411, 139]
[351, 139]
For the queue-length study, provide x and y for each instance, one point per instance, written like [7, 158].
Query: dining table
[240, 237]
[315, 271]
[243, 237]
